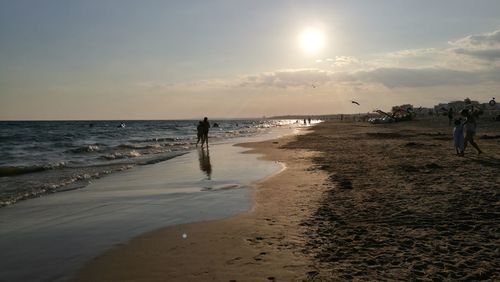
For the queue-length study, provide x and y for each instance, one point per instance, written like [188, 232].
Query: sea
[43, 157]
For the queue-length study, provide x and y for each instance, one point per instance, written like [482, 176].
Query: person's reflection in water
[204, 158]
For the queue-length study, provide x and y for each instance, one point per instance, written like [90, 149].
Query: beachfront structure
[459, 105]
[455, 105]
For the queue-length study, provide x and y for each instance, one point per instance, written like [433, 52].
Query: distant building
[455, 105]
[459, 105]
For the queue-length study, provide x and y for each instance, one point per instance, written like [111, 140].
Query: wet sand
[356, 202]
[49, 238]
[264, 244]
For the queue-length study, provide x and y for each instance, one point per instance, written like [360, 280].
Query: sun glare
[312, 40]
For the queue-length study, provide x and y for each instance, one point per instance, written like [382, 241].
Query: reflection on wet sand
[204, 158]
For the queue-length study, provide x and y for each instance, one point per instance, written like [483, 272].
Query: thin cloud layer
[471, 60]
[484, 40]
[484, 46]
[286, 78]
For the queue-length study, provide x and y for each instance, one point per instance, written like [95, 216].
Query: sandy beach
[355, 202]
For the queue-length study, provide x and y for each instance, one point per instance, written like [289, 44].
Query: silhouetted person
[204, 158]
[309, 120]
[205, 125]
[199, 133]
[470, 127]
[458, 137]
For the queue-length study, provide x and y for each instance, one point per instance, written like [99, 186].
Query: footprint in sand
[259, 256]
[233, 261]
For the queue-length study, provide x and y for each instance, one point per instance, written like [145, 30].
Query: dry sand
[356, 202]
[402, 205]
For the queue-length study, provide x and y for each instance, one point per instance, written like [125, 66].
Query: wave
[162, 158]
[162, 139]
[120, 155]
[139, 147]
[85, 149]
[6, 171]
[64, 182]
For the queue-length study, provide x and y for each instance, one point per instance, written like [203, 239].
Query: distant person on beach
[458, 137]
[450, 115]
[199, 133]
[205, 125]
[470, 125]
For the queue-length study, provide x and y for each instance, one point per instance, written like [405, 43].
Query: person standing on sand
[450, 115]
[205, 125]
[458, 137]
[470, 126]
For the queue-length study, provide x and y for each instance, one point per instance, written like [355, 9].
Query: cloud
[484, 40]
[344, 61]
[485, 46]
[422, 52]
[286, 78]
[425, 77]
[485, 54]
[389, 77]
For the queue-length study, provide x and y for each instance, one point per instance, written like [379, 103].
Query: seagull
[354, 102]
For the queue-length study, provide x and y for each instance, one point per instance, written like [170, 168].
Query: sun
[312, 40]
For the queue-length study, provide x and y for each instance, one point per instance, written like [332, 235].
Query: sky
[123, 59]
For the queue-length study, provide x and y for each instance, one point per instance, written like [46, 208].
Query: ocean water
[41, 157]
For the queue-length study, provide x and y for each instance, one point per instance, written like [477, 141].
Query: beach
[356, 202]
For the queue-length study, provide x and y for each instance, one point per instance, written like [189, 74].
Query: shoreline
[84, 160]
[260, 244]
[197, 186]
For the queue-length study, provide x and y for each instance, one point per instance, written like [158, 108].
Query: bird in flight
[354, 102]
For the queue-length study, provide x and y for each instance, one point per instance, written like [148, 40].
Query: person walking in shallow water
[470, 126]
[205, 125]
[199, 133]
